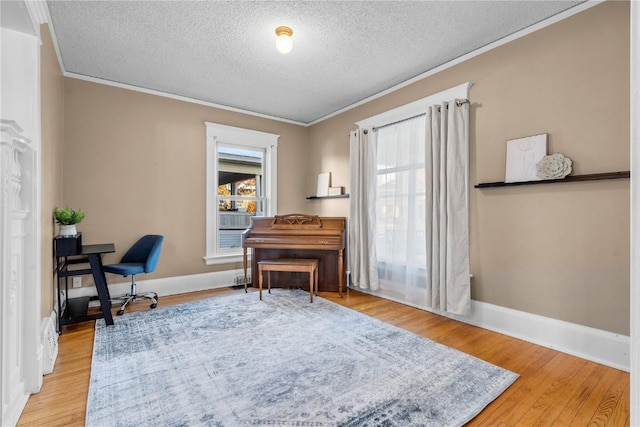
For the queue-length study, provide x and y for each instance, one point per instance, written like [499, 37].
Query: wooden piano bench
[301, 265]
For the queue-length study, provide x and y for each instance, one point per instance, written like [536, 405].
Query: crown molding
[38, 11]
[524, 32]
[178, 97]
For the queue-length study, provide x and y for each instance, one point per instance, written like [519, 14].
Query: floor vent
[239, 280]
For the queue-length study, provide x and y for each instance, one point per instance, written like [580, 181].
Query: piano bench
[301, 265]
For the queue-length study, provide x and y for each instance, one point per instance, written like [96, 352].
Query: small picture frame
[522, 156]
[336, 191]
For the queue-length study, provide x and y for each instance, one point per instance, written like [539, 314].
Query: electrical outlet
[77, 282]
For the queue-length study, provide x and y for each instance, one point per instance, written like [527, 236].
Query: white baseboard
[596, 345]
[166, 285]
[12, 412]
[599, 346]
[606, 348]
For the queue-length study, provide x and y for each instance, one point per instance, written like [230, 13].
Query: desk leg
[58, 279]
[101, 286]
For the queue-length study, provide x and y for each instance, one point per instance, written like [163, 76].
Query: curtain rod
[459, 103]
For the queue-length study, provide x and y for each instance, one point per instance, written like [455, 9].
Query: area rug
[236, 360]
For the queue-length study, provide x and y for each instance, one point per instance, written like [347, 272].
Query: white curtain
[400, 210]
[409, 215]
[446, 157]
[362, 251]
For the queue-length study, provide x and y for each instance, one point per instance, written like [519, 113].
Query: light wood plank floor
[554, 389]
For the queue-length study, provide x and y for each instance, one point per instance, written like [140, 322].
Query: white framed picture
[324, 181]
[522, 156]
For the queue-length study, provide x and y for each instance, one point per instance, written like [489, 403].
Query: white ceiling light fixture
[283, 41]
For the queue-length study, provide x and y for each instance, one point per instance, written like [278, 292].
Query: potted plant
[68, 218]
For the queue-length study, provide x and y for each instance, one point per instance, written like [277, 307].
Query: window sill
[225, 259]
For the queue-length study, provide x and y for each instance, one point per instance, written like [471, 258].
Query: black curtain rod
[459, 103]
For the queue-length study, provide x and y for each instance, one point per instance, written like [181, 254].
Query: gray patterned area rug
[235, 360]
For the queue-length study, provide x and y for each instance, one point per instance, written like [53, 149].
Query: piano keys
[298, 236]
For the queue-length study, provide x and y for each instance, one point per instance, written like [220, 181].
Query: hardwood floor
[554, 388]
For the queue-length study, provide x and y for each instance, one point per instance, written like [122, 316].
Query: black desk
[76, 308]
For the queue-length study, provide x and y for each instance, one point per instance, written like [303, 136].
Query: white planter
[68, 230]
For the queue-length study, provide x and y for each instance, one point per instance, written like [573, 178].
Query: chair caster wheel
[120, 312]
[154, 305]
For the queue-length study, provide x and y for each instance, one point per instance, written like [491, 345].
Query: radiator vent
[49, 345]
[239, 280]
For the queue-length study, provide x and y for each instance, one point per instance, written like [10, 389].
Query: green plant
[68, 216]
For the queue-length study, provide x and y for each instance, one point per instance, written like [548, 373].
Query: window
[420, 204]
[241, 183]
[401, 205]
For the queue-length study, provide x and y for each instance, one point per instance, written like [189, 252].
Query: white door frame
[21, 344]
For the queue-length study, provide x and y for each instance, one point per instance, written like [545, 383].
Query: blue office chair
[142, 257]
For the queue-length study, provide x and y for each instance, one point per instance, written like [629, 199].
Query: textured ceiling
[223, 52]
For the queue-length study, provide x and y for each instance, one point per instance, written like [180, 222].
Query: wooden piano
[298, 236]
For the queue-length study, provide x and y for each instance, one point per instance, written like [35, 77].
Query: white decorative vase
[68, 230]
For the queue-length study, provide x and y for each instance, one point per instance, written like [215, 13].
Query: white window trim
[217, 133]
[417, 107]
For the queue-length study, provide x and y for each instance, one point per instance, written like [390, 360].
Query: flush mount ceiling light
[283, 41]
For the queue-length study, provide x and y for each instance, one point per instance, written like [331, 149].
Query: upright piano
[298, 236]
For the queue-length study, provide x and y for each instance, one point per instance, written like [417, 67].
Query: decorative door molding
[16, 219]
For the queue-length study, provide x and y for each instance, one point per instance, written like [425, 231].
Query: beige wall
[52, 111]
[559, 250]
[136, 164]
